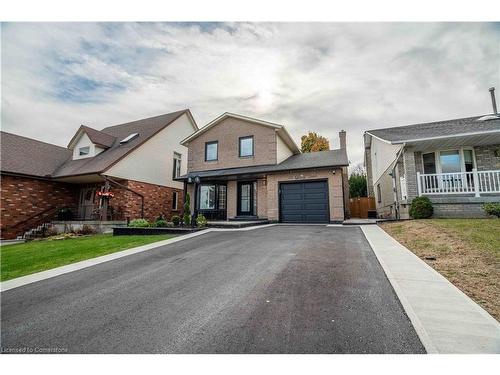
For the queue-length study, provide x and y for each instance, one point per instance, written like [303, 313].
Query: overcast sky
[320, 77]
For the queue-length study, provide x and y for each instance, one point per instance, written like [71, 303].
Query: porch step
[245, 218]
[236, 223]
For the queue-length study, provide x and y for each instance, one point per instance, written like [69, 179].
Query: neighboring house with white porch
[456, 163]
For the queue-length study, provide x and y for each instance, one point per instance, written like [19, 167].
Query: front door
[245, 198]
[87, 203]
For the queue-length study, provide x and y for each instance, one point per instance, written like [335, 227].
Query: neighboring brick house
[456, 163]
[121, 172]
[241, 168]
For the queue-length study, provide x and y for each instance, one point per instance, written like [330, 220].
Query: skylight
[488, 117]
[129, 138]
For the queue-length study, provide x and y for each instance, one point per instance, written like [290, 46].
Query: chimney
[342, 139]
[493, 101]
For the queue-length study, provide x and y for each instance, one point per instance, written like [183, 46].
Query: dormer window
[83, 151]
[246, 146]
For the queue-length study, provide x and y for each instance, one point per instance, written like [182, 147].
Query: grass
[35, 256]
[467, 253]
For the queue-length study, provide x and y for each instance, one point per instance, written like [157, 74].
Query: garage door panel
[304, 202]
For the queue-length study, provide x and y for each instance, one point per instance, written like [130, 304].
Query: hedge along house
[456, 163]
[242, 168]
[115, 174]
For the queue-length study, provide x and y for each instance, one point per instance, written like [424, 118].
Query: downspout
[106, 178]
[396, 203]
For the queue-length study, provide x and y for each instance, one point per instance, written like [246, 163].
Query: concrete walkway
[446, 320]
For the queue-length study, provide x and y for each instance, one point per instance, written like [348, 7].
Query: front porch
[475, 183]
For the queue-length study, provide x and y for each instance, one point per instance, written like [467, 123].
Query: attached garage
[304, 202]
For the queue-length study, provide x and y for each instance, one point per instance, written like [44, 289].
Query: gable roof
[146, 128]
[280, 129]
[26, 156]
[437, 129]
[97, 137]
[47, 160]
[308, 160]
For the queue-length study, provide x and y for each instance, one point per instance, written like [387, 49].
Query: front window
[450, 161]
[379, 194]
[207, 197]
[83, 150]
[211, 151]
[429, 160]
[175, 199]
[246, 146]
[177, 165]
[468, 160]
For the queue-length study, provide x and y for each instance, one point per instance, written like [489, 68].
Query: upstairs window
[211, 150]
[82, 151]
[177, 165]
[246, 146]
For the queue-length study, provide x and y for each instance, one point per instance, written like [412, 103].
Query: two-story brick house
[245, 168]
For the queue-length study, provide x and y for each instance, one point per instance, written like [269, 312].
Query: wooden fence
[360, 206]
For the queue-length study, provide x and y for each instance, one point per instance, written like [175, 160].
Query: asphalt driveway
[280, 289]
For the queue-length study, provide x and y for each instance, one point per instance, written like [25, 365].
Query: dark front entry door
[245, 198]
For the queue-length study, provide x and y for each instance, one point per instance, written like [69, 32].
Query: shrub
[65, 213]
[201, 220]
[187, 210]
[492, 209]
[161, 223]
[176, 219]
[139, 223]
[421, 208]
[86, 229]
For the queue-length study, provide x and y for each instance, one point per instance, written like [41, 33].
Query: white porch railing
[459, 183]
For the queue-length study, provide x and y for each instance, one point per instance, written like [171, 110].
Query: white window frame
[175, 200]
[86, 153]
[177, 162]
[437, 158]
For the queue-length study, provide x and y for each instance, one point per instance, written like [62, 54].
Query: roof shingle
[436, 129]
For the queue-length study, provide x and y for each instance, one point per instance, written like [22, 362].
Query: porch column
[410, 173]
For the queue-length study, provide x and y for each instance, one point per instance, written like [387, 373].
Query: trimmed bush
[201, 221]
[139, 223]
[161, 223]
[492, 209]
[421, 208]
[64, 214]
[176, 219]
[86, 229]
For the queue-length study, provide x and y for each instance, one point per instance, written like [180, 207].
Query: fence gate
[360, 206]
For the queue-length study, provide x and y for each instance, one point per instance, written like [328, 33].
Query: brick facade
[227, 134]
[27, 202]
[157, 200]
[486, 159]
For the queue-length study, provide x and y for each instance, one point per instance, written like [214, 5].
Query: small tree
[313, 142]
[357, 185]
[187, 210]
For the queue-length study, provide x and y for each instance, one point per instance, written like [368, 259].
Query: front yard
[466, 252]
[35, 256]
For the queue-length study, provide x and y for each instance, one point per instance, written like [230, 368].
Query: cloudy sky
[320, 77]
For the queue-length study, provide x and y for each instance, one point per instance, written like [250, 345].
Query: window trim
[177, 164]
[437, 158]
[80, 151]
[175, 201]
[216, 153]
[253, 146]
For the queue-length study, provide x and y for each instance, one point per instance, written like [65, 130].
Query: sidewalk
[446, 320]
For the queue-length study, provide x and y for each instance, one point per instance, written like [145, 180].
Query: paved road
[281, 289]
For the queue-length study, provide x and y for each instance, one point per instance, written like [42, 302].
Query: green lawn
[35, 256]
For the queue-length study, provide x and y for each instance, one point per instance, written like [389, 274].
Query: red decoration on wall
[108, 194]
